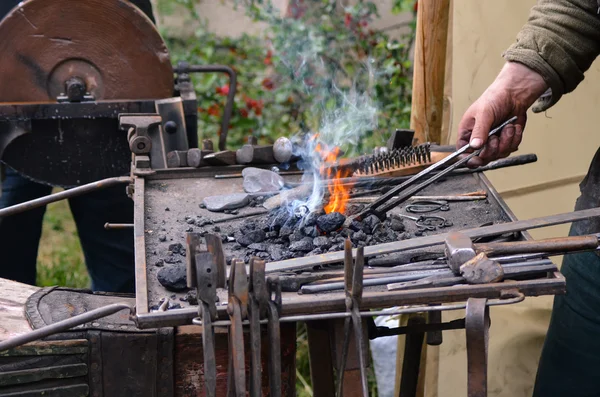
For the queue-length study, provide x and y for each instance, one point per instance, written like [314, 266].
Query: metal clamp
[137, 126]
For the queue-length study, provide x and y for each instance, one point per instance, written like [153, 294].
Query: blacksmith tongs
[353, 280]
[404, 191]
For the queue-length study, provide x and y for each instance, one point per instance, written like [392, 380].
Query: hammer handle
[551, 245]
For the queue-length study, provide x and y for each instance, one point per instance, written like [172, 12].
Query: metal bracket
[137, 126]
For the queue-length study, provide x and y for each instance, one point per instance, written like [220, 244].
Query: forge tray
[164, 199]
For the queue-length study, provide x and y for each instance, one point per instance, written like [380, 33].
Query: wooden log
[429, 70]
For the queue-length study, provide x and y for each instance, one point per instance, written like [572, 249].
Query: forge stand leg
[411, 364]
[477, 324]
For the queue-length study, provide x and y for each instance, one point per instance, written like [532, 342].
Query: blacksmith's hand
[512, 93]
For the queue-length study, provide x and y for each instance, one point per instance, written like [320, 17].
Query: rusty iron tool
[428, 222]
[237, 309]
[273, 314]
[257, 310]
[193, 243]
[481, 270]
[387, 202]
[224, 157]
[433, 240]
[459, 248]
[419, 276]
[214, 245]
[177, 158]
[195, 157]
[255, 154]
[283, 150]
[206, 287]
[353, 285]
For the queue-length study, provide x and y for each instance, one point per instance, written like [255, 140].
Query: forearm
[559, 42]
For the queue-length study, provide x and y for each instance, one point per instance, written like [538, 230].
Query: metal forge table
[165, 197]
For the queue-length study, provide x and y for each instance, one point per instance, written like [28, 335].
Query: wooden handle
[553, 245]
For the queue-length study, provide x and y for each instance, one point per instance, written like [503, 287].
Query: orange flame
[338, 193]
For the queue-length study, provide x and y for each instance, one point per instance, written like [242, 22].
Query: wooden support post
[429, 70]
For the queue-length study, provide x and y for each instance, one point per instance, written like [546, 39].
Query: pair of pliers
[353, 285]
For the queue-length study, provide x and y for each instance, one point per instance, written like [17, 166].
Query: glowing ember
[338, 193]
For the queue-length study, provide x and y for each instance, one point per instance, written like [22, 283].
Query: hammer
[471, 260]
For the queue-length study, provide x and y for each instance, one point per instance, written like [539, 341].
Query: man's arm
[560, 41]
[557, 45]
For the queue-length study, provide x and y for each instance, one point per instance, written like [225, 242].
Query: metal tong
[387, 201]
[206, 286]
[353, 280]
[237, 309]
[259, 301]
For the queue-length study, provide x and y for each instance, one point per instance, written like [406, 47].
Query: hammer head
[459, 249]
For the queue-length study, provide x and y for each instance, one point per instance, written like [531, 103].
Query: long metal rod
[430, 241]
[384, 198]
[63, 325]
[373, 313]
[65, 194]
[333, 286]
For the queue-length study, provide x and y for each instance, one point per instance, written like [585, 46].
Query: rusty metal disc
[110, 44]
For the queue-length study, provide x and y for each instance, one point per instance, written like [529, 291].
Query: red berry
[268, 84]
[347, 19]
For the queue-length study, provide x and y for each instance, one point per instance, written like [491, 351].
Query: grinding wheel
[110, 45]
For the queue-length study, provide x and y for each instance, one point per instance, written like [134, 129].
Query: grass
[60, 258]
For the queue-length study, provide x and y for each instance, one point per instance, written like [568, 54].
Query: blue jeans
[108, 253]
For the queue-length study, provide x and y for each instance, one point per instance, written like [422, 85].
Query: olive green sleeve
[560, 41]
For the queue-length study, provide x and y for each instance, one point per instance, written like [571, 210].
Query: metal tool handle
[562, 244]
[184, 68]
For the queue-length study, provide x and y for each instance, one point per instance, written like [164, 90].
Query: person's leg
[570, 360]
[20, 233]
[108, 253]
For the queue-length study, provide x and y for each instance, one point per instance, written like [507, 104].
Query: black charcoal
[177, 248]
[397, 225]
[311, 219]
[190, 297]
[330, 222]
[321, 241]
[370, 223]
[297, 235]
[159, 263]
[356, 225]
[272, 234]
[173, 277]
[277, 252]
[311, 231]
[255, 236]
[359, 236]
[303, 245]
[162, 237]
[216, 229]
[259, 246]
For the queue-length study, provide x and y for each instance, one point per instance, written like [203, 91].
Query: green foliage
[322, 69]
